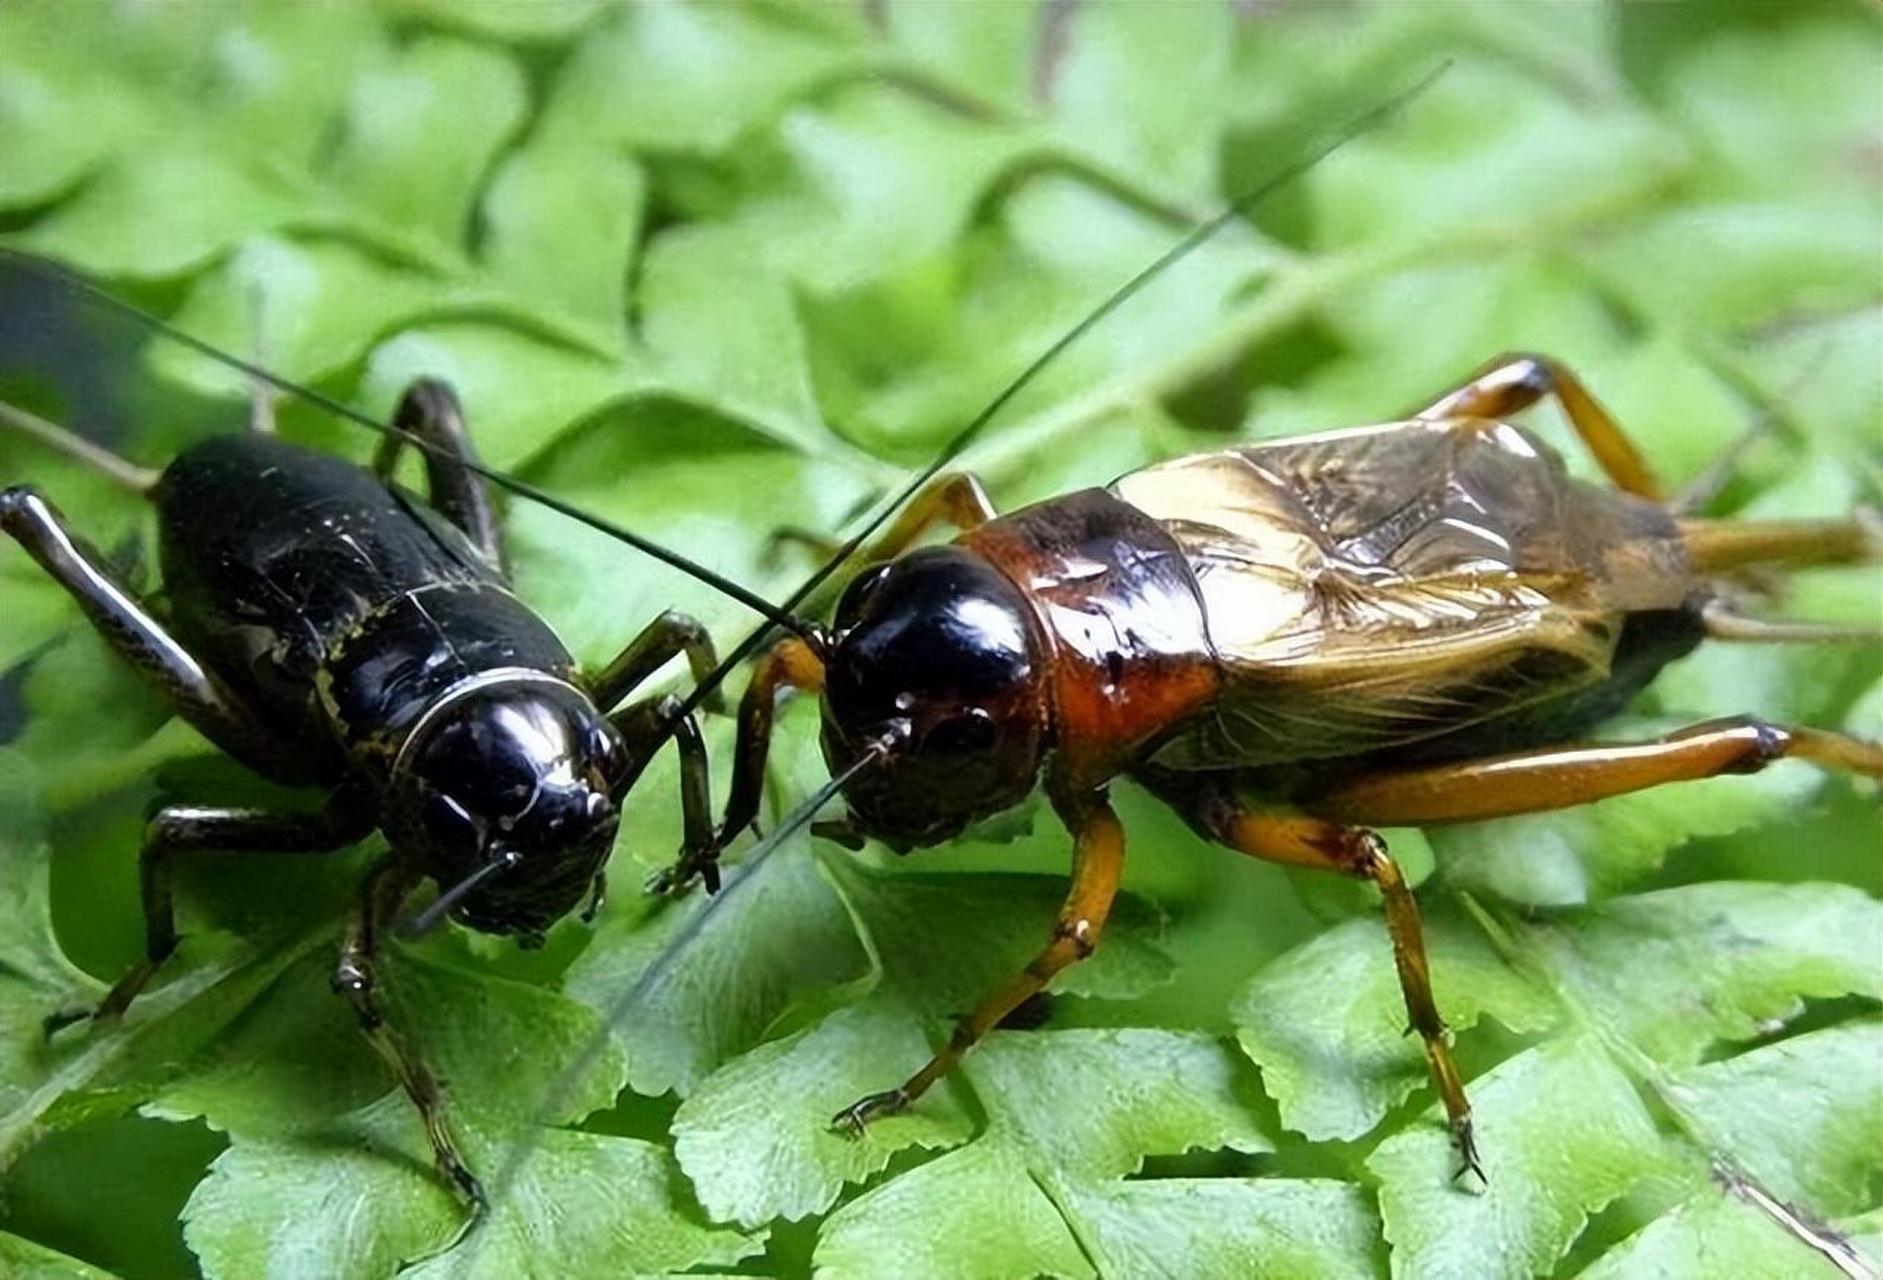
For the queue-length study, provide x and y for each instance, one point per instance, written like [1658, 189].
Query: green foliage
[710, 269]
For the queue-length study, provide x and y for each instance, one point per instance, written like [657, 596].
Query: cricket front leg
[788, 665]
[642, 727]
[355, 977]
[671, 633]
[1097, 865]
[954, 498]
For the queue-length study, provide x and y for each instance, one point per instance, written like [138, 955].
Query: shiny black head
[522, 772]
[940, 652]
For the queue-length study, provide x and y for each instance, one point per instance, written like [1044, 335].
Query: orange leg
[1560, 777]
[953, 497]
[1097, 863]
[789, 664]
[1512, 383]
[1304, 841]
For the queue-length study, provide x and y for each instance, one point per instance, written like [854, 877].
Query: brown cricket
[1292, 643]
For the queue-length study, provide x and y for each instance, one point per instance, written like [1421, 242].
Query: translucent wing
[1372, 587]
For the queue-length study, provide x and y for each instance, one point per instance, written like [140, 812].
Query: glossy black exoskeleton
[328, 629]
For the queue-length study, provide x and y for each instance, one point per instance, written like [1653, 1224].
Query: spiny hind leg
[1097, 864]
[187, 829]
[430, 411]
[1213, 809]
[200, 697]
[356, 978]
[954, 497]
[1515, 381]
[1561, 777]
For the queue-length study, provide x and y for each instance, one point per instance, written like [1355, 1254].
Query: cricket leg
[128, 627]
[1300, 840]
[1723, 623]
[642, 726]
[671, 633]
[1561, 777]
[1514, 382]
[953, 497]
[430, 411]
[183, 829]
[1721, 546]
[788, 665]
[1097, 863]
[355, 978]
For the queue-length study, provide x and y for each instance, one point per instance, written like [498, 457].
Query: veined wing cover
[1377, 586]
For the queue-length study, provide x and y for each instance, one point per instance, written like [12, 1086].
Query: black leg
[430, 411]
[201, 698]
[641, 725]
[384, 888]
[672, 632]
[184, 829]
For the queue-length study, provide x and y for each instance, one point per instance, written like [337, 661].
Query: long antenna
[745, 596]
[804, 813]
[776, 615]
[1237, 208]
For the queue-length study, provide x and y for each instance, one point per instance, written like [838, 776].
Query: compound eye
[851, 603]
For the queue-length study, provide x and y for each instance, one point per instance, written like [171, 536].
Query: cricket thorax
[1115, 596]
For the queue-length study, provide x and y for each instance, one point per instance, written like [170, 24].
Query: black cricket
[328, 629]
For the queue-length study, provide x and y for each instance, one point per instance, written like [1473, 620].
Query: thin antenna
[751, 599]
[805, 812]
[1368, 120]
[139, 480]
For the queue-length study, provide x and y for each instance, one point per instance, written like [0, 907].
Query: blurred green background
[709, 269]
